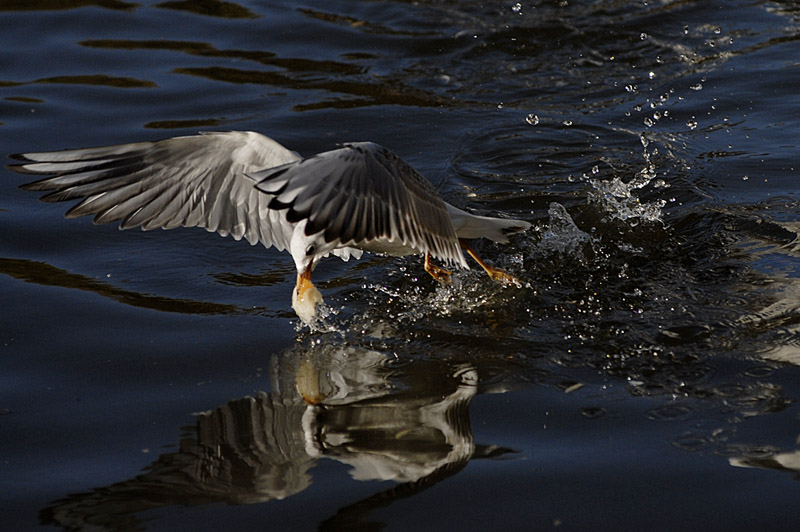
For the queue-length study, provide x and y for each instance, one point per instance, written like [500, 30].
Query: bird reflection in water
[409, 425]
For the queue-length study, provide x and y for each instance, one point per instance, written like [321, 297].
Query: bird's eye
[310, 251]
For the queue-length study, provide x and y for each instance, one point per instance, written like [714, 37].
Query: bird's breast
[387, 246]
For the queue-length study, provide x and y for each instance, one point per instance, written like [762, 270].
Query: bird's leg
[305, 296]
[440, 274]
[495, 273]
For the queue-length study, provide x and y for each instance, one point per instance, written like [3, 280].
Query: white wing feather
[188, 181]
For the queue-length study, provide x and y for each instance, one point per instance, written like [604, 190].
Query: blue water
[644, 378]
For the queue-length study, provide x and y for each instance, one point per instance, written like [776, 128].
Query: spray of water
[620, 200]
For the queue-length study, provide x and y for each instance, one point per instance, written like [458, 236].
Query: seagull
[359, 197]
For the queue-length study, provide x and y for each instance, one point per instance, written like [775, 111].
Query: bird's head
[305, 298]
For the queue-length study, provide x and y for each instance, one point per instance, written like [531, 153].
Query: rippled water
[645, 377]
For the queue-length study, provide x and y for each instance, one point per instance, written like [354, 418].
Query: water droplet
[517, 8]
[696, 87]
[567, 123]
[630, 87]
[651, 74]
[643, 36]
[745, 178]
[691, 124]
[648, 121]
[595, 169]
[532, 119]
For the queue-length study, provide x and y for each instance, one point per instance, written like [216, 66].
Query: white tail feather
[472, 226]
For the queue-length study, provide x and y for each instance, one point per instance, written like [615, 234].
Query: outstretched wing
[184, 181]
[363, 193]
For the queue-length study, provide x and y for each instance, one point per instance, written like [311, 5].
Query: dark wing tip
[20, 168]
[277, 205]
[36, 186]
[519, 226]
[266, 176]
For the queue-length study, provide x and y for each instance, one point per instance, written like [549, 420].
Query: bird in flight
[359, 197]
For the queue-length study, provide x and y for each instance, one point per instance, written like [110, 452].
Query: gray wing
[362, 193]
[184, 181]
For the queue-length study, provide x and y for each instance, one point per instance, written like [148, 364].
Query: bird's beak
[305, 297]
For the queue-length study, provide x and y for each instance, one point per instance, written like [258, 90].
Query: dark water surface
[645, 378]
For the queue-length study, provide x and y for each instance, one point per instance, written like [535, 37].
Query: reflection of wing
[258, 446]
[384, 440]
[249, 450]
[196, 181]
[401, 436]
[353, 517]
[409, 425]
[789, 462]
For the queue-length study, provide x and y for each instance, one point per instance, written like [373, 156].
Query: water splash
[562, 235]
[323, 322]
[619, 199]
